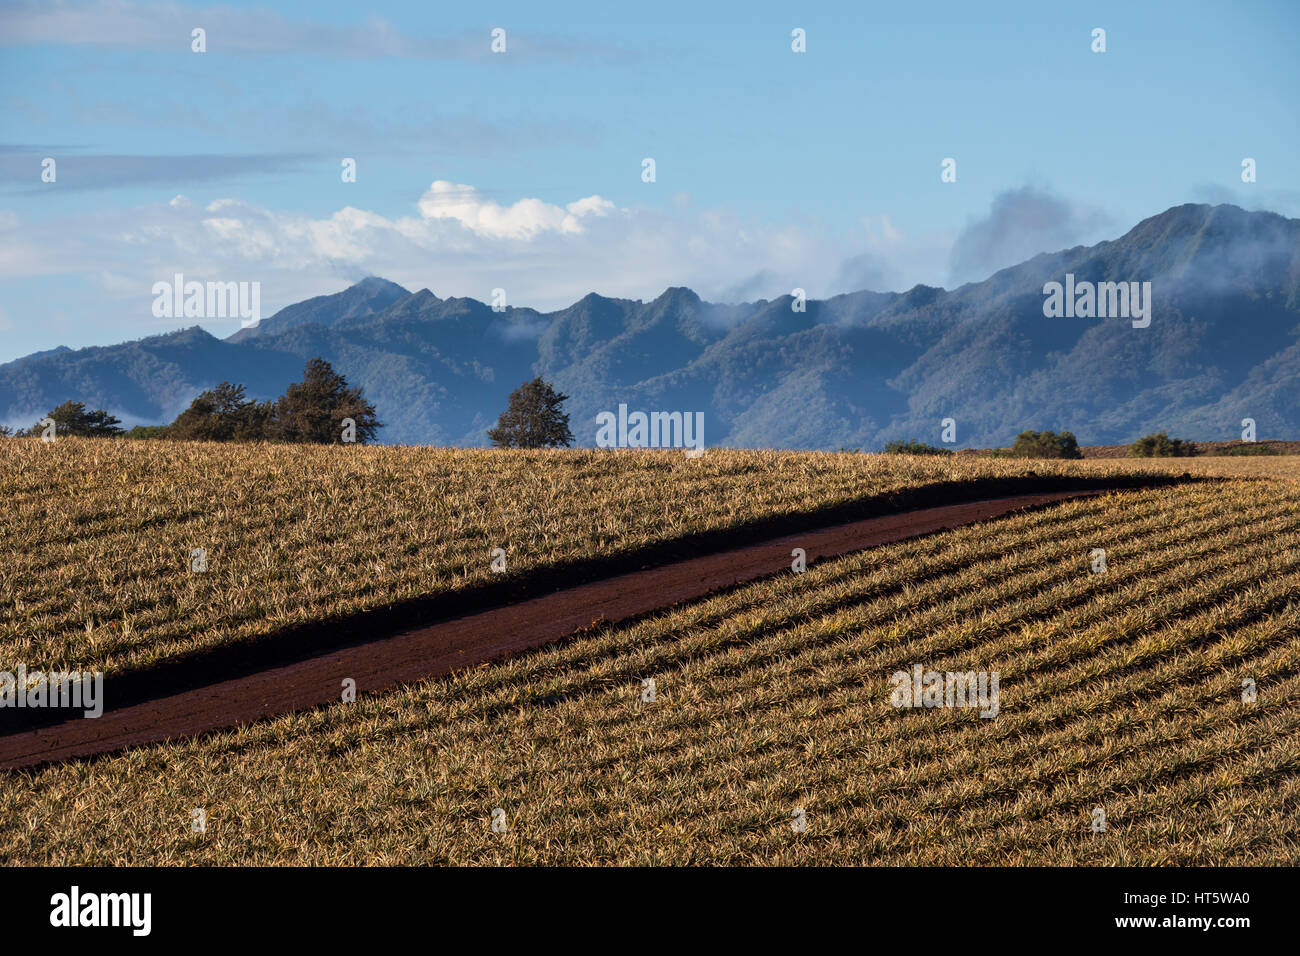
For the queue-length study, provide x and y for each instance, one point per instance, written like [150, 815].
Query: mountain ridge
[854, 370]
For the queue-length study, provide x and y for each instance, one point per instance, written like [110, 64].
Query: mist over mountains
[855, 370]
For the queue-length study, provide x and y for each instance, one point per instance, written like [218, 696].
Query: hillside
[855, 370]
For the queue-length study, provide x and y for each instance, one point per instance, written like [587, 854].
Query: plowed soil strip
[474, 639]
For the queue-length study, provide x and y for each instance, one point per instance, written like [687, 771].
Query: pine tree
[222, 414]
[72, 418]
[313, 410]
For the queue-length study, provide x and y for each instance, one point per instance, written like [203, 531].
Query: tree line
[321, 409]
[1048, 444]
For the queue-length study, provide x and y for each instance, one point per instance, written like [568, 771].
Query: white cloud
[523, 220]
[1022, 223]
[457, 242]
[593, 205]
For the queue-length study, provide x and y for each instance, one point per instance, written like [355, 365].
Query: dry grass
[1120, 690]
[96, 535]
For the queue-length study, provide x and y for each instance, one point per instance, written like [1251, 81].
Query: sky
[523, 170]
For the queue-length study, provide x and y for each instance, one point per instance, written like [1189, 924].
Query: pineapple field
[1147, 703]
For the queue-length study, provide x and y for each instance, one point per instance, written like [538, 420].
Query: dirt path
[473, 639]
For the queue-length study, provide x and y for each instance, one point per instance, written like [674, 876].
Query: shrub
[914, 448]
[1247, 448]
[1031, 444]
[1160, 445]
[147, 431]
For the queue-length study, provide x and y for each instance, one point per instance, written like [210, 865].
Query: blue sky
[774, 169]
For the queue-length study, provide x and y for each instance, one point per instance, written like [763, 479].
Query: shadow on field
[310, 640]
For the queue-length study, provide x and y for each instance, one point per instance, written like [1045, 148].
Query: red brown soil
[475, 638]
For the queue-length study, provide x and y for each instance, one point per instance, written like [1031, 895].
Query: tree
[72, 418]
[5, 431]
[314, 409]
[533, 419]
[1031, 444]
[222, 414]
[1160, 445]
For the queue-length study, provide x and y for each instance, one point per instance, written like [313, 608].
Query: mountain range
[855, 370]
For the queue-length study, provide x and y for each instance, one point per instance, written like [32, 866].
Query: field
[1120, 691]
[97, 536]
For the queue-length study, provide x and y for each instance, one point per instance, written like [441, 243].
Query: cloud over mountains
[853, 370]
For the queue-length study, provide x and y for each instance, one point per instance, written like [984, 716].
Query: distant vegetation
[1160, 445]
[1249, 448]
[914, 448]
[313, 411]
[147, 431]
[223, 414]
[73, 418]
[321, 409]
[1048, 444]
[535, 418]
